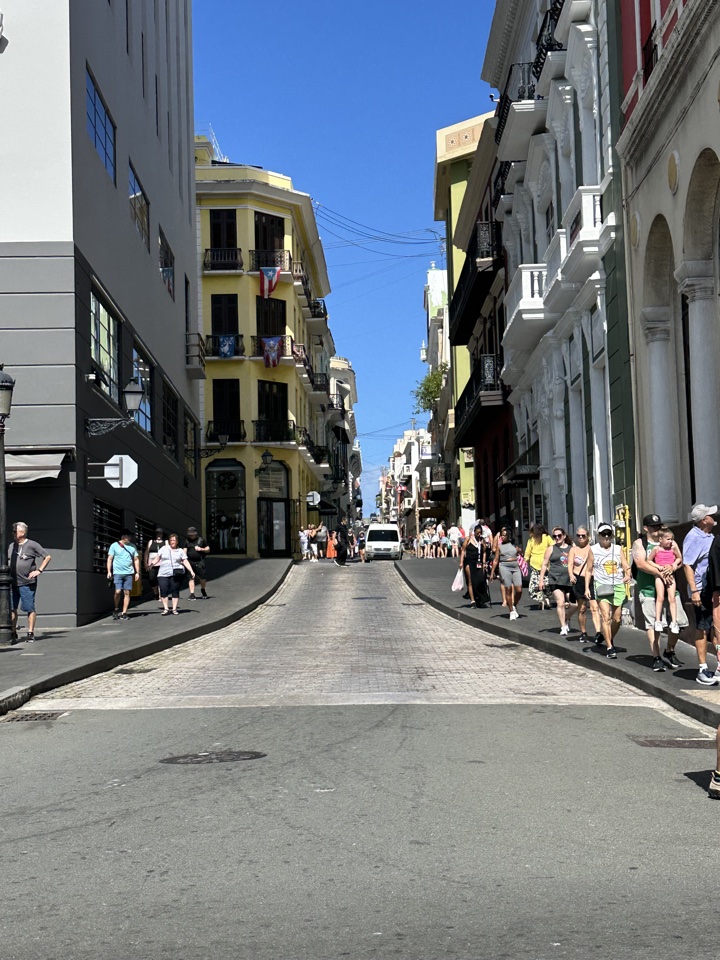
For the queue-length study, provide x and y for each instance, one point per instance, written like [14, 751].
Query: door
[273, 422]
[270, 315]
[226, 409]
[224, 313]
[273, 528]
[223, 229]
[269, 232]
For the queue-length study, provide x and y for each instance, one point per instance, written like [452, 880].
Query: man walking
[123, 566]
[696, 554]
[321, 538]
[196, 549]
[341, 532]
[23, 556]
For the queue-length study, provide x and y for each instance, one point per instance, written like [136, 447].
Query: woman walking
[171, 572]
[583, 583]
[472, 563]
[612, 573]
[534, 553]
[555, 574]
[331, 546]
[505, 560]
[150, 551]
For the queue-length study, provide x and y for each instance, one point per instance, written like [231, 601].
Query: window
[269, 232]
[549, 222]
[139, 207]
[100, 127]
[223, 229]
[170, 421]
[104, 350]
[144, 533]
[190, 445]
[142, 374]
[167, 264]
[107, 527]
[270, 315]
[224, 313]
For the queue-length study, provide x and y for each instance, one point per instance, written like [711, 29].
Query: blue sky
[346, 99]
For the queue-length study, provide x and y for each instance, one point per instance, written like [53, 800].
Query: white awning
[24, 467]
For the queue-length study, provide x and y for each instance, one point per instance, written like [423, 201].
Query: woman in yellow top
[534, 552]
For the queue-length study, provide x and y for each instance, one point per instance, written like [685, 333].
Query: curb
[612, 668]
[15, 697]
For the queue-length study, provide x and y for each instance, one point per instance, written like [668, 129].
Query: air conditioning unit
[407, 503]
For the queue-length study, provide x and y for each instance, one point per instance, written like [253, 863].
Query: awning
[24, 467]
[341, 431]
[522, 470]
[324, 506]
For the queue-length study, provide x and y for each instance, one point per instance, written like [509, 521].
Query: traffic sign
[313, 498]
[121, 471]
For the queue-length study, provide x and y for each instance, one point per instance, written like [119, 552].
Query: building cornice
[503, 33]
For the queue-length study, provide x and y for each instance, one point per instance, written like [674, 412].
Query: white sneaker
[674, 628]
[564, 631]
[514, 615]
[659, 626]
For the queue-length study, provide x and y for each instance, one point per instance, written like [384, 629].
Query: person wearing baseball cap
[611, 572]
[696, 549]
[197, 549]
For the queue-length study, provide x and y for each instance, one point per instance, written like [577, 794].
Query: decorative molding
[655, 323]
[673, 173]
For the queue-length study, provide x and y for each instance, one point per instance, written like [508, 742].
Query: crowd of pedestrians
[339, 545]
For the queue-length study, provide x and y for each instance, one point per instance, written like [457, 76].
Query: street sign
[313, 498]
[121, 471]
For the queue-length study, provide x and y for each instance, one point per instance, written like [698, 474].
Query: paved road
[427, 791]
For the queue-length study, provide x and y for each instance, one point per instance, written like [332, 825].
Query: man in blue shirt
[696, 553]
[123, 567]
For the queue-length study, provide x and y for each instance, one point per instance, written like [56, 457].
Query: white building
[98, 274]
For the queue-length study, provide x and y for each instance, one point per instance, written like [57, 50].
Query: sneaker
[514, 615]
[116, 614]
[599, 640]
[714, 788]
[658, 626]
[706, 678]
[658, 665]
[674, 628]
[124, 616]
[192, 597]
[336, 563]
[564, 631]
[204, 595]
[669, 657]
[583, 638]
[30, 638]
[612, 654]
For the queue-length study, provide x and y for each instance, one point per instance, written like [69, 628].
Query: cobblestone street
[354, 636]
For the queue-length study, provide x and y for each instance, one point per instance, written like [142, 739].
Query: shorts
[614, 594]
[198, 570]
[703, 618]
[169, 587]
[123, 581]
[510, 575]
[647, 605]
[579, 589]
[566, 589]
[23, 596]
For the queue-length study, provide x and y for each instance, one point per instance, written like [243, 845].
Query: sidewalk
[235, 587]
[431, 581]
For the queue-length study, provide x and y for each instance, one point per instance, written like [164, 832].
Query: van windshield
[386, 535]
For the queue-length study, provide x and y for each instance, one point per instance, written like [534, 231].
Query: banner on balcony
[226, 346]
[268, 280]
[272, 350]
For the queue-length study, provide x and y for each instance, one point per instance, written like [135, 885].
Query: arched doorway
[273, 511]
[225, 506]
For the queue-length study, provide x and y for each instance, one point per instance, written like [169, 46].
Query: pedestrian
[341, 534]
[696, 553]
[123, 568]
[453, 538]
[321, 538]
[173, 564]
[472, 563]
[27, 561]
[361, 544]
[583, 584]
[304, 546]
[555, 573]
[332, 545]
[506, 554]
[312, 543]
[612, 574]
[151, 549]
[645, 573]
[537, 544]
[196, 549]
[667, 556]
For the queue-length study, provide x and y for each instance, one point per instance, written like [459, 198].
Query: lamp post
[6, 390]
[133, 396]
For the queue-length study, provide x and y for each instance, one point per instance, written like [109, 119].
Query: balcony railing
[484, 378]
[195, 355]
[336, 402]
[233, 429]
[499, 182]
[440, 473]
[270, 258]
[322, 383]
[650, 53]
[271, 349]
[484, 253]
[555, 254]
[520, 86]
[584, 212]
[546, 42]
[275, 431]
[225, 345]
[528, 284]
[318, 453]
[318, 310]
[223, 258]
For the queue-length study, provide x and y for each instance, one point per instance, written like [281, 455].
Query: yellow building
[273, 425]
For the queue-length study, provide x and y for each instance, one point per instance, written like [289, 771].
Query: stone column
[660, 428]
[704, 381]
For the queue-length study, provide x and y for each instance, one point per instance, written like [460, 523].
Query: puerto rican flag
[268, 280]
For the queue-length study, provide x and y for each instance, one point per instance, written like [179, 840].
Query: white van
[383, 540]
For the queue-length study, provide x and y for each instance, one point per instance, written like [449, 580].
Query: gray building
[98, 278]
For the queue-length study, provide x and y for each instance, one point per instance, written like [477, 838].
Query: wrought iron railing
[484, 377]
[499, 182]
[546, 42]
[520, 86]
[336, 401]
[234, 430]
[441, 473]
[271, 258]
[485, 244]
[225, 345]
[271, 349]
[322, 383]
[223, 258]
[275, 431]
[318, 310]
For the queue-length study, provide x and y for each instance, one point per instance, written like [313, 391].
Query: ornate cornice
[508, 22]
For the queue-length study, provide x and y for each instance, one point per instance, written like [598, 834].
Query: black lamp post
[133, 396]
[6, 390]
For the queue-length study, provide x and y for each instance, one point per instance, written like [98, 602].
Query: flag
[226, 346]
[272, 348]
[268, 280]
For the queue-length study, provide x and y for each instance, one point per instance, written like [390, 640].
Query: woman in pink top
[668, 557]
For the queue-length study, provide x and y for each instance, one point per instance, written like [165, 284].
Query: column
[704, 383]
[660, 428]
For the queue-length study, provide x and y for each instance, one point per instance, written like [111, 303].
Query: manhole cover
[222, 756]
[29, 715]
[698, 743]
[132, 670]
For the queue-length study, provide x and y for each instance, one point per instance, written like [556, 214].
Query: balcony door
[223, 229]
[224, 313]
[272, 400]
[226, 408]
[273, 511]
[269, 232]
[271, 317]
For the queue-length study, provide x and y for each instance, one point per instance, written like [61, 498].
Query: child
[667, 556]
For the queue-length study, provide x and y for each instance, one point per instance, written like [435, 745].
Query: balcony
[335, 407]
[484, 389]
[499, 182]
[225, 346]
[223, 259]
[275, 431]
[195, 356]
[303, 365]
[546, 42]
[321, 385]
[483, 260]
[317, 321]
[520, 114]
[583, 222]
[559, 292]
[441, 481]
[271, 349]
[270, 258]
[319, 455]
[527, 319]
[302, 283]
[233, 429]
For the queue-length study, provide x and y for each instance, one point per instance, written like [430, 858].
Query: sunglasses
[605, 533]
[558, 536]
[582, 536]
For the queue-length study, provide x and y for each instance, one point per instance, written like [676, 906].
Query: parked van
[383, 540]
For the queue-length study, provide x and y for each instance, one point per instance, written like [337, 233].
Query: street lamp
[267, 459]
[222, 439]
[133, 395]
[6, 391]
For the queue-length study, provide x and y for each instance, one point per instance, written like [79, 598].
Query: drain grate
[129, 671]
[686, 743]
[29, 716]
[222, 756]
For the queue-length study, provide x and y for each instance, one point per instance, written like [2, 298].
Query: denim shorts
[124, 581]
[23, 596]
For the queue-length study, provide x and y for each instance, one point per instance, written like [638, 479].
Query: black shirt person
[341, 531]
